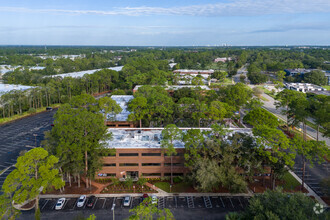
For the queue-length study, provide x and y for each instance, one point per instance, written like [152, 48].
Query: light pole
[35, 139]
[113, 211]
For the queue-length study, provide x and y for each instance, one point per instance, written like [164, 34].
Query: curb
[310, 190]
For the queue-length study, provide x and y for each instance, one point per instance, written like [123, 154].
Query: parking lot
[20, 135]
[234, 203]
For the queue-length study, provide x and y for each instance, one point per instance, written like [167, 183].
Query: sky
[165, 22]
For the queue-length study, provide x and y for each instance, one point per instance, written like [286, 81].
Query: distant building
[172, 88]
[222, 59]
[194, 73]
[304, 87]
[327, 74]
[299, 71]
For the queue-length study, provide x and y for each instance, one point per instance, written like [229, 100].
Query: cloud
[231, 8]
[295, 27]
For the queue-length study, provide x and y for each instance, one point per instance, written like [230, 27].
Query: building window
[150, 174]
[152, 154]
[174, 174]
[109, 165]
[111, 174]
[128, 154]
[128, 164]
[174, 164]
[151, 164]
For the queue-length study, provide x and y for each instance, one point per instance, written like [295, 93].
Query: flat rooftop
[176, 87]
[186, 71]
[147, 138]
[82, 73]
[121, 100]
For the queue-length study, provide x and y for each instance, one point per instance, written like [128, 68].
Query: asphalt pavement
[19, 135]
[182, 207]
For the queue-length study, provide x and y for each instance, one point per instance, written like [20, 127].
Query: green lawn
[326, 87]
[290, 182]
[177, 187]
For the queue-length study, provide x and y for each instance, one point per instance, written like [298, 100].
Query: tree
[255, 76]
[316, 77]
[284, 98]
[278, 205]
[147, 210]
[139, 109]
[201, 111]
[260, 116]
[170, 134]
[77, 136]
[194, 146]
[275, 148]
[219, 75]
[299, 112]
[35, 172]
[237, 95]
[7, 211]
[310, 151]
[322, 114]
[109, 106]
[280, 75]
[218, 110]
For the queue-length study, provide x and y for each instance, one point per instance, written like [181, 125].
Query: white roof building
[128, 138]
[121, 100]
[304, 87]
[82, 73]
[176, 87]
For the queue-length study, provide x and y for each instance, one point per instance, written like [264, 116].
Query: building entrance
[132, 174]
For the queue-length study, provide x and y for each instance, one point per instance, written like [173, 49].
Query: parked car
[127, 201]
[153, 199]
[145, 196]
[49, 108]
[81, 201]
[90, 201]
[60, 203]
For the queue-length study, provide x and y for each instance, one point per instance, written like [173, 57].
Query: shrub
[31, 110]
[177, 179]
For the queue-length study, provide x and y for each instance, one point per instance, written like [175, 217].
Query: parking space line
[94, 203]
[223, 204]
[104, 202]
[47, 200]
[74, 205]
[231, 202]
[240, 202]
[66, 202]
[53, 207]
[85, 204]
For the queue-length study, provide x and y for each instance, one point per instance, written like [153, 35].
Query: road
[314, 174]
[182, 207]
[21, 135]
[270, 106]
